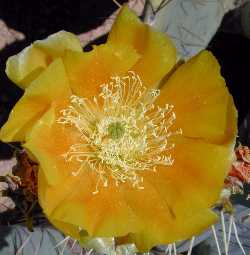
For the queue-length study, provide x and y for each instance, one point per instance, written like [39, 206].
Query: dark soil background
[38, 19]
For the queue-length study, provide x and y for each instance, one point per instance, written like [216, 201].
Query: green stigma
[116, 130]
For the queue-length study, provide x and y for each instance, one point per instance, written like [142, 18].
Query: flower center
[116, 130]
[122, 132]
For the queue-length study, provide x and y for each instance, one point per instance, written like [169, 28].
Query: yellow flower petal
[200, 99]
[88, 70]
[52, 85]
[69, 229]
[177, 204]
[100, 215]
[181, 192]
[157, 234]
[197, 167]
[50, 154]
[56, 44]
[24, 67]
[160, 222]
[93, 213]
[157, 51]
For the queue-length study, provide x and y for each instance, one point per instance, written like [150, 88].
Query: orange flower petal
[158, 54]
[109, 213]
[98, 214]
[177, 205]
[69, 229]
[50, 154]
[200, 99]
[197, 167]
[24, 67]
[180, 191]
[178, 195]
[155, 234]
[104, 214]
[95, 213]
[88, 70]
[51, 85]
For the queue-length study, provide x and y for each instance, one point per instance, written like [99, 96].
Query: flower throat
[122, 132]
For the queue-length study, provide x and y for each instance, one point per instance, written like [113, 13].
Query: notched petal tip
[155, 47]
[88, 70]
[25, 66]
[56, 44]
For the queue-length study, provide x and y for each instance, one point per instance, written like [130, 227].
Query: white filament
[122, 131]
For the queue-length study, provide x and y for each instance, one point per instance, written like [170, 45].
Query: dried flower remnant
[240, 170]
[26, 170]
[243, 153]
[238, 176]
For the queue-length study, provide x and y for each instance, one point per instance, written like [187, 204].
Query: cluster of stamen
[122, 132]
